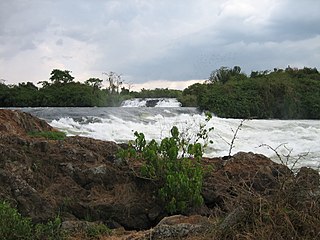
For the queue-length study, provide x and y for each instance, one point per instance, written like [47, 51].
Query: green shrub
[50, 230]
[51, 135]
[174, 164]
[12, 225]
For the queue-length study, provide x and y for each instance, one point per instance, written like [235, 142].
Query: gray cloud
[155, 40]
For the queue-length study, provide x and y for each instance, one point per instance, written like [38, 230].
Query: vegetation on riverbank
[283, 94]
[13, 226]
[62, 91]
[178, 178]
[50, 135]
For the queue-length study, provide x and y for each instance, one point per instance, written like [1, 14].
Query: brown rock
[308, 178]
[240, 173]
[179, 226]
[20, 123]
[73, 177]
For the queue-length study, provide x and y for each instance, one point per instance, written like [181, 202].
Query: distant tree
[114, 81]
[28, 85]
[224, 74]
[59, 76]
[194, 89]
[236, 70]
[44, 83]
[94, 82]
[256, 74]
[307, 70]
[278, 70]
[125, 91]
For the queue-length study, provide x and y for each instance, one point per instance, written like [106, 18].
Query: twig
[235, 136]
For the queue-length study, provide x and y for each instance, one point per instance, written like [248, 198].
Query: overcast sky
[158, 43]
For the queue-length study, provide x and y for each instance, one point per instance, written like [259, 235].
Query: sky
[155, 43]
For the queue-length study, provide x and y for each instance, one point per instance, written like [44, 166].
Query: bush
[12, 225]
[175, 165]
[50, 231]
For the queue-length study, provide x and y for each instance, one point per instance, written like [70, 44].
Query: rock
[241, 172]
[28, 201]
[20, 123]
[41, 146]
[233, 218]
[308, 178]
[73, 176]
[152, 102]
[179, 226]
[72, 227]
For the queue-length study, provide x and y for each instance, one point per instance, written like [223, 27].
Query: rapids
[299, 139]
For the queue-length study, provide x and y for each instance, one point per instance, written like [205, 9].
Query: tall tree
[224, 74]
[59, 76]
[94, 82]
[114, 81]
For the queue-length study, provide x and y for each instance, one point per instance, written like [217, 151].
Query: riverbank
[245, 197]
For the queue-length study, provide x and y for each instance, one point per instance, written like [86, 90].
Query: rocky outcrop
[20, 123]
[83, 180]
[76, 177]
[241, 172]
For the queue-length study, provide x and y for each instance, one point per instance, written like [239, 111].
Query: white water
[295, 137]
[160, 102]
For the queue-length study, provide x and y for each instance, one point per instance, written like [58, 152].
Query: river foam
[294, 137]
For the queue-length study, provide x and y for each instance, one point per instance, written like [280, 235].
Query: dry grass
[291, 211]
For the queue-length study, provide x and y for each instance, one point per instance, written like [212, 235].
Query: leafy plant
[12, 225]
[174, 164]
[50, 230]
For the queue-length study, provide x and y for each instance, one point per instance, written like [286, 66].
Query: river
[296, 141]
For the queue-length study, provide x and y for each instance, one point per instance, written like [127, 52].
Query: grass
[50, 135]
[291, 211]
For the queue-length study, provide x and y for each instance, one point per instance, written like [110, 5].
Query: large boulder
[243, 172]
[76, 177]
[20, 123]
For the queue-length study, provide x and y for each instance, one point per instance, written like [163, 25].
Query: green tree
[59, 76]
[290, 94]
[224, 74]
[96, 83]
[4, 95]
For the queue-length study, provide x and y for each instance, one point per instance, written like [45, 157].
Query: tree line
[289, 93]
[61, 90]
